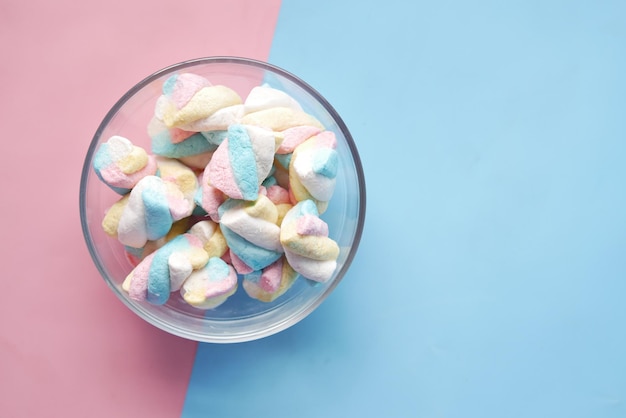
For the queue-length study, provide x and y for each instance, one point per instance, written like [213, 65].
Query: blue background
[490, 281]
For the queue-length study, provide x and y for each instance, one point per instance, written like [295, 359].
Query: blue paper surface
[491, 277]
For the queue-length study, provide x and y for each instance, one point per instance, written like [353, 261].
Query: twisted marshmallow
[313, 169]
[165, 270]
[210, 286]
[270, 283]
[147, 213]
[189, 98]
[242, 161]
[308, 249]
[251, 231]
[120, 164]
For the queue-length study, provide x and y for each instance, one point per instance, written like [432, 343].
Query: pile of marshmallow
[231, 193]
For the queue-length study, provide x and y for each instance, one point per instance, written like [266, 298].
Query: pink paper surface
[68, 347]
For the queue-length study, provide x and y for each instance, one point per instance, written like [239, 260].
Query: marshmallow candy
[120, 164]
[313, 169]
[165, 270]
[251, 231]
[242, 161]
[149, 212]
[189, 98]
[288, 140]
[210, 286]
[143, 220]
[270, 283]
[179, 89]
[308, 249]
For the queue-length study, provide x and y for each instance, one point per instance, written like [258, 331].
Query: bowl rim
[299, 314]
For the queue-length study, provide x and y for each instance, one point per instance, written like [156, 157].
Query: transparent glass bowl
[240, 318]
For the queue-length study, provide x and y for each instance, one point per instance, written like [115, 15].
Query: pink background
[68, 347]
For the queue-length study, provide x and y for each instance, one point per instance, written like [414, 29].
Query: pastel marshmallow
[305, 240]
[202, 104]
[120, 164]
[180, 88]
[292, 137]
[313, 169]
[165, 270]
[242, 161]
[270, 283]
[253, 221]
[152, 206]
[251, 231]
[210, 286]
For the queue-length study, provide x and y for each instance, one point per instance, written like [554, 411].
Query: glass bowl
[240, 318]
